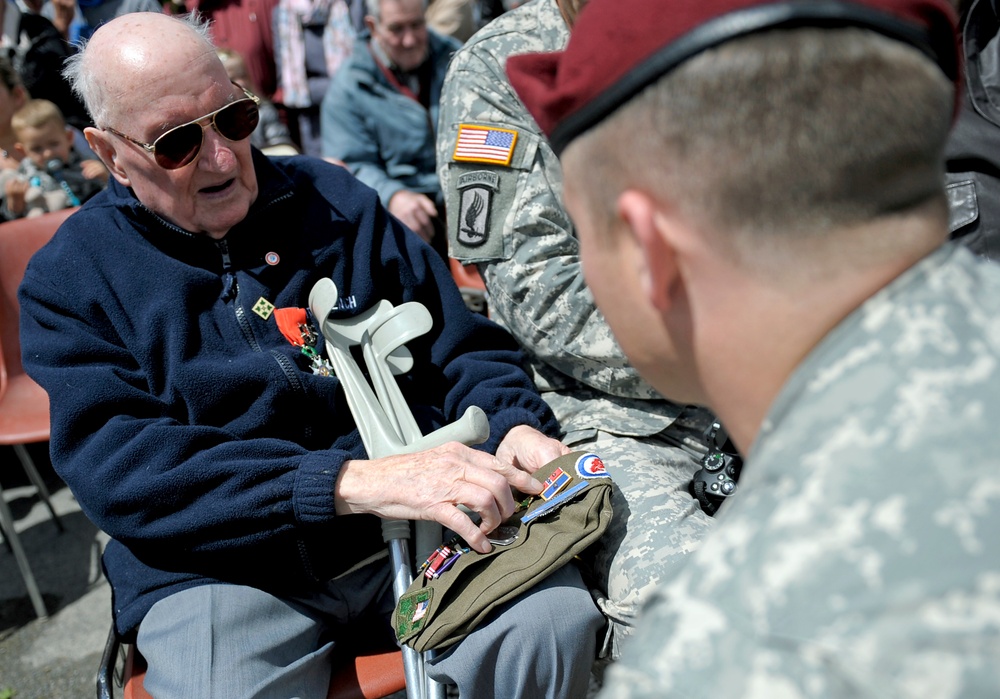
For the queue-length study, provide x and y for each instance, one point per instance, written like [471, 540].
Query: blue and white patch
[591, 466]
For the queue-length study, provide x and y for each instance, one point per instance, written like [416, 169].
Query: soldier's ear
[656, 264]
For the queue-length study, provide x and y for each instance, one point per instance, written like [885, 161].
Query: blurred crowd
[286, 52]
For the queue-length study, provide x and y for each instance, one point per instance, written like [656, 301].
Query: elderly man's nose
[217, 150]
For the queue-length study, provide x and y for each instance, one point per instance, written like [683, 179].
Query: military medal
[294, 325]
[554, 483]
[443, 558]
[263, 308]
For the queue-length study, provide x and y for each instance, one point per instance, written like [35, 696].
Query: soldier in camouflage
[758, 191]
[503, 187]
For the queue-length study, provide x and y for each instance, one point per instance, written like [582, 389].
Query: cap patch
[484, 144]
[554, 483]
[591, 466]
[411, 613]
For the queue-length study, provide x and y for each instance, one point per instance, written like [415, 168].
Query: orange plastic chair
[24, 406]
[470, 283]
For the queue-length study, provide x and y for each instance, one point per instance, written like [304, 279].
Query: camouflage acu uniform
[861, 558]
[505, 212]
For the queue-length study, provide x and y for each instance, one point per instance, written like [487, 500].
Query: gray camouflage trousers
[656, 521]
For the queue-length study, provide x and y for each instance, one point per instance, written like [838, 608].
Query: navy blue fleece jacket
[188, 427]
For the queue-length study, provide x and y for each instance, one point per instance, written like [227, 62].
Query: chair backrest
[19, 240]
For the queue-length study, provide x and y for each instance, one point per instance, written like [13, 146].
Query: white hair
[84, 79]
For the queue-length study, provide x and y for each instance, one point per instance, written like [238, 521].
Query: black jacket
[973, 151]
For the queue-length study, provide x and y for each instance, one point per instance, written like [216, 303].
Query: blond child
[51, 175]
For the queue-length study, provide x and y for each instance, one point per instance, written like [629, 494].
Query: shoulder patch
[477, 190]
[484, 144]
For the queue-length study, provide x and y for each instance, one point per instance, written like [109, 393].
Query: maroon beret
[618, 47]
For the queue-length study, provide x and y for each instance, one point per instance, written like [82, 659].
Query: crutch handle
[472, 428]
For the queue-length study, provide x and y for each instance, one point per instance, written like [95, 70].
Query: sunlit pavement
[56, 657]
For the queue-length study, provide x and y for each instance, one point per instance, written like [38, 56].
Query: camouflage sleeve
[509, 219]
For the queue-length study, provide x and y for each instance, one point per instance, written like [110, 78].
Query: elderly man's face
[213, 192]
[402, 32]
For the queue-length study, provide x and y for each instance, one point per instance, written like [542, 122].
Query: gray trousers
[221, 641]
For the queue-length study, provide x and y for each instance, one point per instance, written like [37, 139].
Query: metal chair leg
[9, 533]
[36, 480]
[106, 672]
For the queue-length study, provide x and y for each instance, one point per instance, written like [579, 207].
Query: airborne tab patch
[484, 144]
[477, 190]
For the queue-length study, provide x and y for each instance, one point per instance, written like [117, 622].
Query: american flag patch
[421, 610]
[554, 483]
[484, 144]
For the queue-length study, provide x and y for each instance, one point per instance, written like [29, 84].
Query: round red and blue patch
[591, 466]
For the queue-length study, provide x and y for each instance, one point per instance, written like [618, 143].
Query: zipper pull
[230, 289]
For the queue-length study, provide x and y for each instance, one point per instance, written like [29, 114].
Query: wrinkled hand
[16, 190]
[527, 449]
[416, 211]
[94, 170]
[432, 484]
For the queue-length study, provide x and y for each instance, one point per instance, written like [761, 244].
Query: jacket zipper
[232, 293]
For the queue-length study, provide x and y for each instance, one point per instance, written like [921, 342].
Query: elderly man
[758, 189]
[379, 114]
[529, 256]
[205, 435]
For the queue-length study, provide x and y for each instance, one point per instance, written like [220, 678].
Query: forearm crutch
[385, 422]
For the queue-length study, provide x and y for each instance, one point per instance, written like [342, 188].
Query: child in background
[51, 176]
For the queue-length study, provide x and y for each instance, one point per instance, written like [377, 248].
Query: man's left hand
[527, 449]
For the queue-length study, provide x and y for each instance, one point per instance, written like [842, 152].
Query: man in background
[379, 115]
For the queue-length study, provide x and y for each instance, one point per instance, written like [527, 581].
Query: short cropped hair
[784, 133]
[35, 114]
[83, 78]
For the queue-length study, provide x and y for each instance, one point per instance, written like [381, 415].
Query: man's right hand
[431, 485]
[416, 211]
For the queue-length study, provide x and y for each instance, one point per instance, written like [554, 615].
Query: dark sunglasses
[181, 144]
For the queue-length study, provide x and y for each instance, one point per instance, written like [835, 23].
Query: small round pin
[272, 258]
